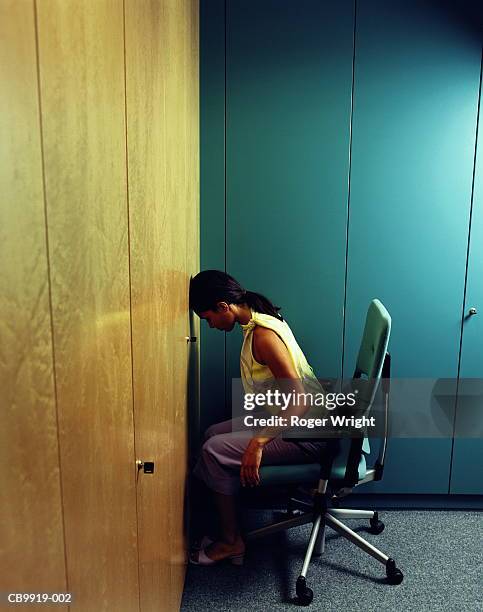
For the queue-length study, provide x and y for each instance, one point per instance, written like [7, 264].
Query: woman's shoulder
[260, 332]
[271, 332]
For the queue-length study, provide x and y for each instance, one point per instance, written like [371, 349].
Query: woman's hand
[250, 463]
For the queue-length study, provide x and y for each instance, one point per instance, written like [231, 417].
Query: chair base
[322, 517]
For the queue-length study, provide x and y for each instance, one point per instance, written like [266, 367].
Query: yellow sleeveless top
[255, 374]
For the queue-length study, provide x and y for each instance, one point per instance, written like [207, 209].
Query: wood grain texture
[152, 282]
[81, 58]
[31, 534]
[163, 159]
[184, 96]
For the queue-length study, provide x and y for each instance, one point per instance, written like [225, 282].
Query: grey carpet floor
[439, 552]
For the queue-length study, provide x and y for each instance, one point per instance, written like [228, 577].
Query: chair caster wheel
[377, 526]
[304, 594]
[394, 575]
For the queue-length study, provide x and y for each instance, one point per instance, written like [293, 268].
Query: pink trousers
[219, 463]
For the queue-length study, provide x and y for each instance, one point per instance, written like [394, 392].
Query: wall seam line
[225, 202]
[130, 293]
[466, 273]
[49, 281]
[349, 176]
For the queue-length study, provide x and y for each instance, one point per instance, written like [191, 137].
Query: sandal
[203, 543]
[203, 559]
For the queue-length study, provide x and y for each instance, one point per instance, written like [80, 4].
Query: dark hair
[212, 286]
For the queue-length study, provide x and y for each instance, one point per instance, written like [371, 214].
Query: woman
[229, 459]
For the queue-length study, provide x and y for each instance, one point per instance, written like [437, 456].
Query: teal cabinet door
[467, 463]
[288, 104]
[417, 68]
[212, 199]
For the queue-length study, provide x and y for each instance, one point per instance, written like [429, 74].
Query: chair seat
[305, 472]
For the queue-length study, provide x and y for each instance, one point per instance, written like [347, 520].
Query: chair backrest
[369, 366]
[373, 348]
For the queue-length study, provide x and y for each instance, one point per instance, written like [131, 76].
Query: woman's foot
[201, 542]
[220, 550]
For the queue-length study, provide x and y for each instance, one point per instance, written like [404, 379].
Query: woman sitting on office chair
[230, 460]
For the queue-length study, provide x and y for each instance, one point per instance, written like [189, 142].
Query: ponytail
[260, 303]
[212, 286]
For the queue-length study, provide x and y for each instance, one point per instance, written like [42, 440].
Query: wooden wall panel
[186, 97]
[81, 58]
[31, 535]
[163, 159]
[153, 283]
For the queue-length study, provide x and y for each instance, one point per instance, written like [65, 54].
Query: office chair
[342, 465]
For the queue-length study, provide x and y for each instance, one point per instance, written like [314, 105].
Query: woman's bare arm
[273, 352]
[269, 349]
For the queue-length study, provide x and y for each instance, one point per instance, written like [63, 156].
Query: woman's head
[212, 292]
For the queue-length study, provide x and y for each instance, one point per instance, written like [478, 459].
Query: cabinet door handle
[146, 466]
[472, 311]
